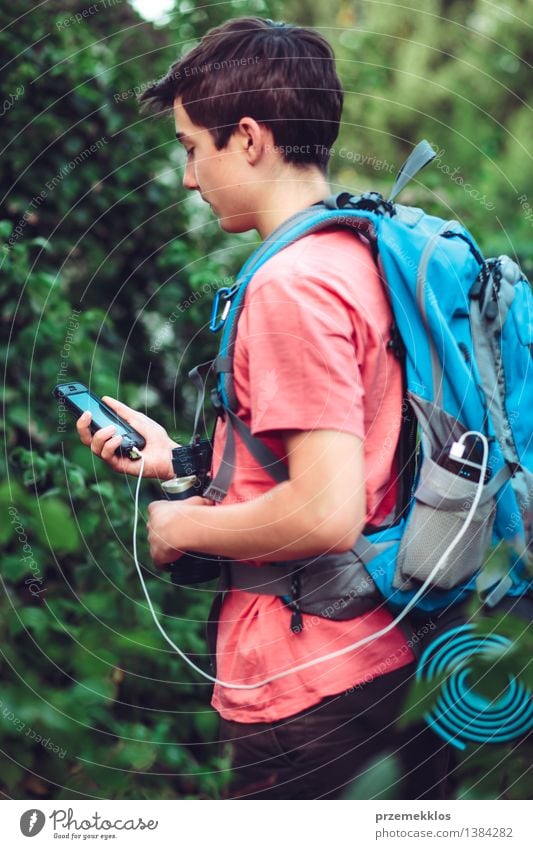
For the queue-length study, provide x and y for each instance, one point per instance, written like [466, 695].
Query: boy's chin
[235, 224]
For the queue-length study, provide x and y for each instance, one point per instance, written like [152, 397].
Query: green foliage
[458, 75]
[489, 770]
[381, 779]
[107, 277]
[98, 249]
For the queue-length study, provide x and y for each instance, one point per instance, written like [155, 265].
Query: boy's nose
[189, 178]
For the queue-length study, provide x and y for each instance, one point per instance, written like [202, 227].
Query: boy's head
[255, 100]
[281, 75]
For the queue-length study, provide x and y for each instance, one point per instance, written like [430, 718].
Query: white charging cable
[332, 655]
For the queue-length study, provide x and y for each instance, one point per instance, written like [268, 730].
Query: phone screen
[86, 402]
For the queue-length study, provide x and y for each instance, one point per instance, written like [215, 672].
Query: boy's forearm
[275, 526]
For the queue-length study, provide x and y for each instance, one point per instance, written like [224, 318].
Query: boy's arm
[321, 508]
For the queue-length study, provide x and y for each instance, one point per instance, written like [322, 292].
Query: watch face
[179, 485]
[183, 461]
[194, 459]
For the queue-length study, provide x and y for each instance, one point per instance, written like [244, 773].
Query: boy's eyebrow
[181, 137]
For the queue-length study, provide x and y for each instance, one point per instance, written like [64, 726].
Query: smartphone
[77, 398]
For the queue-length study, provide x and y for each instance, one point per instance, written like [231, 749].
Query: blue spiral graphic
[461, 715]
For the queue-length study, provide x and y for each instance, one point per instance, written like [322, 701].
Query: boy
[257, 107]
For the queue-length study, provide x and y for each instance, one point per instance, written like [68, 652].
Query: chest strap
[332, 586]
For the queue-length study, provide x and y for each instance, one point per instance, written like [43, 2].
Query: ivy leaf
[382, 779]
[421, 698]
[14, 568]
[57, 528]
[34, 619]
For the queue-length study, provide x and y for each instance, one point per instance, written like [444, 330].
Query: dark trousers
[317, 753]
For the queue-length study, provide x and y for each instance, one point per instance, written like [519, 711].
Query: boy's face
[221, 176]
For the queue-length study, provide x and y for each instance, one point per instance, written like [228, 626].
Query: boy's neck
[288, 197]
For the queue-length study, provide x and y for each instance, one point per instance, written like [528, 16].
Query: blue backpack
[464, 333]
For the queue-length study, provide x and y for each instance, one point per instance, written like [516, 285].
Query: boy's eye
[190, 152]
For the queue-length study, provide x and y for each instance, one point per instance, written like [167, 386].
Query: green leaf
[206, 723]
[499, 561]
[93, 691]
[41, 243]
[34, 619]
[490, 672]
[104, 488]
[176, 757]
[421, 698]
[139, 756]
[11, 774]
[14, 568]
[381, 779]
[6, 228]
[58, 528]
[508, 625]
[11, 497]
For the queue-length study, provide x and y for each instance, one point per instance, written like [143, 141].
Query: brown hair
[281, 75]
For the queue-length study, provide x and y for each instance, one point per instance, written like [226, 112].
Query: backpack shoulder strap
[309, 220]
[362, 213]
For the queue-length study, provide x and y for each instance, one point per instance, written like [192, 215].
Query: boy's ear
[254, 138]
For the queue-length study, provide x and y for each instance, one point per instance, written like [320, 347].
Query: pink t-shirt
[310, 354]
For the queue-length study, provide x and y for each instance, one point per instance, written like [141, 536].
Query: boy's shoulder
[334, 259]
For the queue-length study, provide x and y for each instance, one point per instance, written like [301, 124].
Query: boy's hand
[164, 527]
[156, 453]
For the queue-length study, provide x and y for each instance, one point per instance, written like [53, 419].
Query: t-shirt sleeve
[300, 344]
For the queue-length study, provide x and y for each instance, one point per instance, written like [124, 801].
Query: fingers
[104, 442]
[199, 501]
[120, 408]
[82, 426]
[109, 448]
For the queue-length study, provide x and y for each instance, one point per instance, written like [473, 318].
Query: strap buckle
[216, 403]
[225, 293]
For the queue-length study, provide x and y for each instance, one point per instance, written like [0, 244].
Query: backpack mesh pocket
[442, 503]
